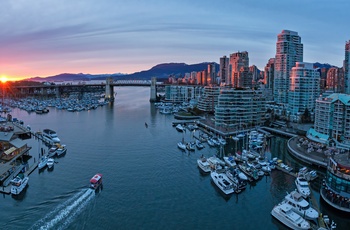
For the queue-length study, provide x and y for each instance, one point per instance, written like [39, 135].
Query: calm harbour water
[148, 182]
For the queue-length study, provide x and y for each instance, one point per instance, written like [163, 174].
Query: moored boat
[300, 205]
[199, 145]
[284, 213]
[61, 150]
[18, 184]
[96, 181]
[222, 182]
[50, 163]
[180, 128]
[181, 145]
[50, 136]
[52, 151]
[203, 164]
[190, 146]
[43, 162]
[302, 186]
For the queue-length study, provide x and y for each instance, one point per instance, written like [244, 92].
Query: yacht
[181, 145]
[222, 182]
[284, 213]
[203, 164]
[50, 136]
[302, 186]
[52, 151]
[43, 162]
[301, 206]
[215, 162]
[230, 161]
[50, 163]
[190, 146]
[199, 144]
[61, 150]
[18, 184]
[180, 128]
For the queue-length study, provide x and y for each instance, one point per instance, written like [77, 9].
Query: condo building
[241, 77]
[240, 108]
[289, 50]
[269, 73]
[335, 80]
[179, 94]
[224, 71]
[332, 120]
[346, 66]
[304, 89]
[209, 99]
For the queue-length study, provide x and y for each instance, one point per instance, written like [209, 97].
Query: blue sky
[46, 37]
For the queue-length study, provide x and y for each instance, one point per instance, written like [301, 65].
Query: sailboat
[182, 145]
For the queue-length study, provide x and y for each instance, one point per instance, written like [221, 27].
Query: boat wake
[64, 214]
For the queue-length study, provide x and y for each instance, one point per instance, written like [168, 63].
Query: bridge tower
[109, 95]
[153, 90]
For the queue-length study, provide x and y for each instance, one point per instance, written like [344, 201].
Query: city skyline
[45, 38]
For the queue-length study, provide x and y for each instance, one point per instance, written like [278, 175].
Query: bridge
[58, 90]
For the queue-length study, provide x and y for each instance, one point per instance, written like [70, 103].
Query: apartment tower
[289, 50]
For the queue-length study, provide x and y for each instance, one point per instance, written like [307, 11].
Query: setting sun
[3, 78]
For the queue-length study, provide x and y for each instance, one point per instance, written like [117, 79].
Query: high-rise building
[269, 73]
[346, 67]
[304, 89]
[211, 79]
[240, 75]
[289, 50]
[224, 68]
[236, 107]
[335, 80]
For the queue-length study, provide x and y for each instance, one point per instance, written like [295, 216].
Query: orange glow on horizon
[3, 78]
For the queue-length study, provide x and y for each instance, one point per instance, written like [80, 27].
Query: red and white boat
[96, 181]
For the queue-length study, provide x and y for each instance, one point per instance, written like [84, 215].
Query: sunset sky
[49, 37]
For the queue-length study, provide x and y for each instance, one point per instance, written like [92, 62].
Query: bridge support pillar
[109, 95]
[153, 97]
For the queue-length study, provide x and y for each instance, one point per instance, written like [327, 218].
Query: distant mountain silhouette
[324, 65]
[161, 71]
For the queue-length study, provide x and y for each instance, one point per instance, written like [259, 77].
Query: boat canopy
[95, 179]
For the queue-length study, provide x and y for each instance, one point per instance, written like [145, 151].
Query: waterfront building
[304, 89]
[12, 152]
[238, 107]
[346, 66]
[335, 189]
[335, 80]
[332, 120]
[179, 93]
[240, 75]
[224, 70]
[269, 73]
[289, 50]
[209, 99]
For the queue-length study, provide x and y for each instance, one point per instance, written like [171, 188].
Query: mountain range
[161, 71]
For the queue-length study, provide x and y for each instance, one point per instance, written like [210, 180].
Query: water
[148, 182]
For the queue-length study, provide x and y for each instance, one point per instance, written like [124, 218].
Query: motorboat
[222, 182]
[43, 162]
[203, 164]
[50, 136]
[230, 161]
[215, 162]
[181, 145]
[199, 144]
[239, 185]
[50, 163]
[180, 128]
[96, 181]
[240, 174]
[190, 146]
[211, 143]
[18, 184]
[52, 151]
[285, 214]
[61, 150]
[221, 141]
[302, 186]
[300, 205]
